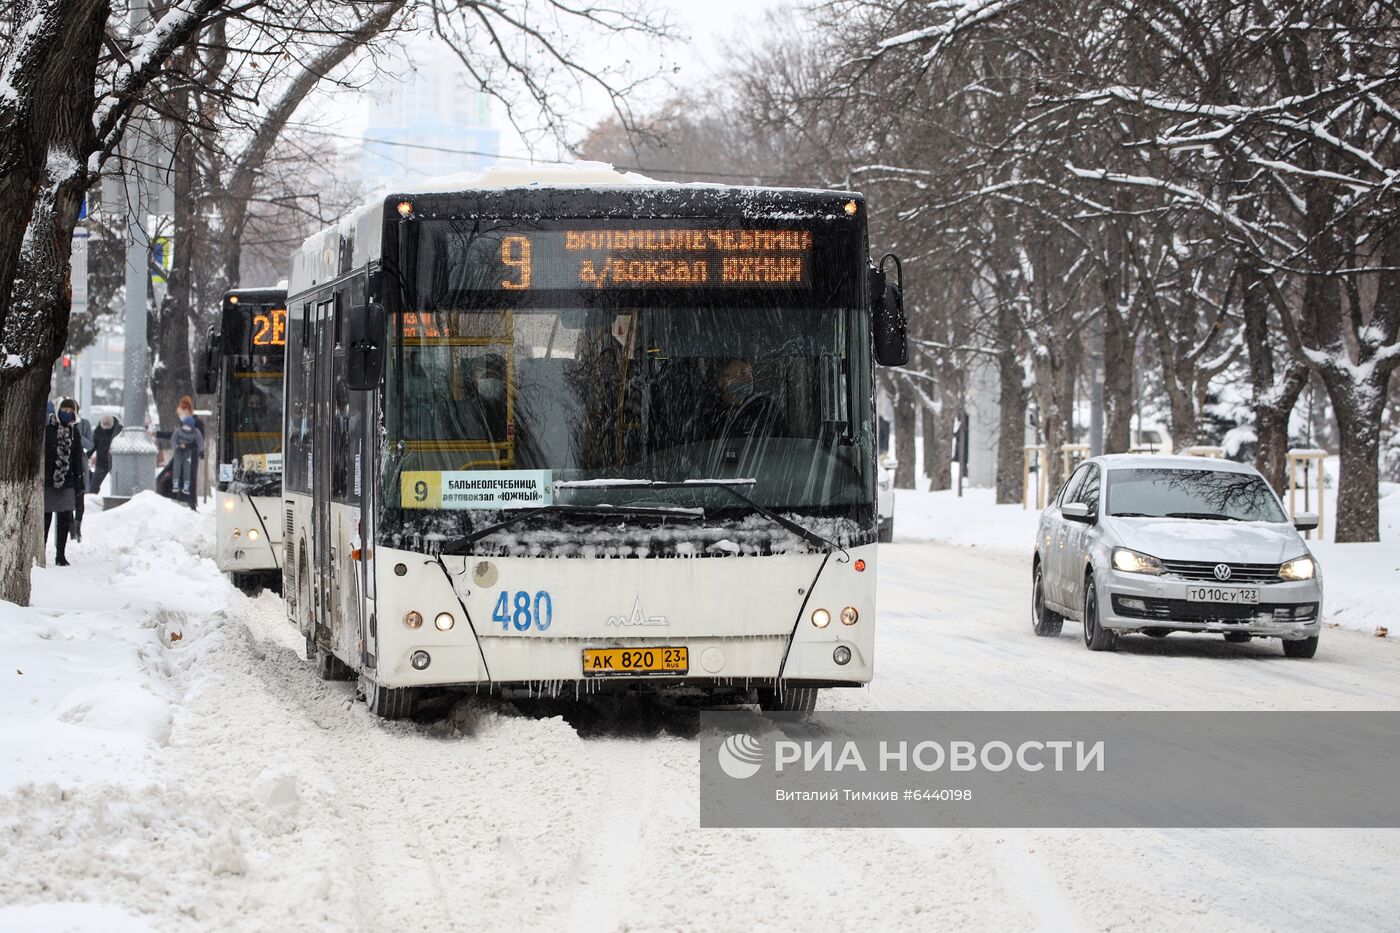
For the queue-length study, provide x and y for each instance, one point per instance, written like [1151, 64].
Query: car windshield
[1218, 495]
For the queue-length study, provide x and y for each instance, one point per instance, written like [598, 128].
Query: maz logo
[638, 617]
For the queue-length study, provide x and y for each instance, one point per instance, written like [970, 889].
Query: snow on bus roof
[531, 175]
[316, 258]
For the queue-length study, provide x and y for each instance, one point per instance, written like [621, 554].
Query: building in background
[434, 106]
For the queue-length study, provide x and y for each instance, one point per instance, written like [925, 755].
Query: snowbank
[972, 520]
[88, 688]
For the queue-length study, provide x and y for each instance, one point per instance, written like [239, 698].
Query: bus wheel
[787, 700]
[329, 667]
[389, 702]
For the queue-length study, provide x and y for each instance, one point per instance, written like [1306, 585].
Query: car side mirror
[1305, 521]
[889, 328]
[207, 382]
[1077, 512]
[364, 342]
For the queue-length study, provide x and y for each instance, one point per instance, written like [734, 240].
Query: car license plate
[1248, 596]
[630, 662]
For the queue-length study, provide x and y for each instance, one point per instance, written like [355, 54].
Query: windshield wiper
[1133, 515]
[730, 486]
[461, 545]
[1207, 516]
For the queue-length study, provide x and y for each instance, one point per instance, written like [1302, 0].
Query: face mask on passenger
[741, 389]
[491, 388]
[66, 417]
[187, 421]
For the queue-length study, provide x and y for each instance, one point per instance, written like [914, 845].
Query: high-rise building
[429, 121]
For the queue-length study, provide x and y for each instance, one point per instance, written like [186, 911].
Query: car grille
[1239, 573]
[1181, 610]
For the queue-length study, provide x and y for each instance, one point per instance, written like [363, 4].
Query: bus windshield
[618, 393]
[251, 418]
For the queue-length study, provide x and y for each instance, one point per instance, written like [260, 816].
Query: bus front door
[322, 547]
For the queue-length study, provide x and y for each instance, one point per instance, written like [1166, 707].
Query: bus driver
[742, 411]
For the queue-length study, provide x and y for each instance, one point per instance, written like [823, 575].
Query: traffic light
[67, 361]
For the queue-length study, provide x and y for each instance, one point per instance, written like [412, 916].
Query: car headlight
[1299, 568]
[1130, 561]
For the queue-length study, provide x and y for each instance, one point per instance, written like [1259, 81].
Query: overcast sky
[714, 26]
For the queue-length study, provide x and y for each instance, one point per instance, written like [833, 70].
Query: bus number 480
[521, 612]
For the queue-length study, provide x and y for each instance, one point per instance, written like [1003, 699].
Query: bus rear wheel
[787, 700]
[389, 702]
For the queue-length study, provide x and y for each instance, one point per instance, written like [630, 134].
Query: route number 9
[420, 491]
[515, 252]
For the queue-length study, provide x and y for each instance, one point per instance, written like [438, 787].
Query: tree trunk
[21, 512]
[169, 340]
[36, 326]
[1117, 384]
[935, 450]
[904, 431]
[947, 426]
[1358, 497]
[1271, 398]
[1011, 427]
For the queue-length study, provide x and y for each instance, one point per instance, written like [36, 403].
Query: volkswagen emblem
[1222, 571]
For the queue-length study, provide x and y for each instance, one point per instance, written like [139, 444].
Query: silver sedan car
[1174, 544]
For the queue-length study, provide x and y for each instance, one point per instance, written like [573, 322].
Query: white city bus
[581, 430]
[242, 367]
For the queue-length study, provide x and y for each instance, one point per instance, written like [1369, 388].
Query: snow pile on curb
[972, 520]
[87, 682]
[89, 703]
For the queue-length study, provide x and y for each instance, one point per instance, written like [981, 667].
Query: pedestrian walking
[108, 427]
[63, 475]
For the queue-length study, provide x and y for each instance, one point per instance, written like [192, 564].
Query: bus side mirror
[888, 325]
[364, 341]
[208, 381]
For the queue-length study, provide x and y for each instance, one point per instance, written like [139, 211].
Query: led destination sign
[483, 256]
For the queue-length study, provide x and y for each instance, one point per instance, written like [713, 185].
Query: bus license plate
[1216, 594]
[628, 662]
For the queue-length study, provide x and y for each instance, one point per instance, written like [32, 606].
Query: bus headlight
[444, 621]
[420, 660]
[849, 616]
[842, 655]
[228, 505]
[1299, 568]
[252, 534]
[821, 618]
[236, 533]
[413, 619]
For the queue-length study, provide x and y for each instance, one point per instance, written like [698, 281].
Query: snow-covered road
[274, 801]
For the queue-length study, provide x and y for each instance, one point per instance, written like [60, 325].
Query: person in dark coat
[108, 427]
[187, 450]
[63, 474]
[85, 432]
